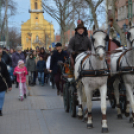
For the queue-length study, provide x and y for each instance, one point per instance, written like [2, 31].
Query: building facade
[124, 11]
[37, 31]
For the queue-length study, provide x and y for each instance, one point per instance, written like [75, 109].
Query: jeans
[33, 75]
[2, 98]
[41, 77]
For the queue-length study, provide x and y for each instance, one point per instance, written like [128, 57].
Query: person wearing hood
[31, 67]
[80, 22]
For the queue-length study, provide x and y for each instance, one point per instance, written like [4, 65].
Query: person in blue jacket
[58, 55]
[41, 66]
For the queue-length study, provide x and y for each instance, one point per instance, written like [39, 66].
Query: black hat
[79, 26]
[58, 45]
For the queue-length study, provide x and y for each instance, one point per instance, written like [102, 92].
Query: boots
[1, 113]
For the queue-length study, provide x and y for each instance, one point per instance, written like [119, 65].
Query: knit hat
[58, 45]
[20, 62]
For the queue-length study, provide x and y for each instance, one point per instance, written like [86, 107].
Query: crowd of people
[17, 64]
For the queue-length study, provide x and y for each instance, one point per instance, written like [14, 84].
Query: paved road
[43, 113]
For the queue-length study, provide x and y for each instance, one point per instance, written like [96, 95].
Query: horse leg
[117, 95]
[88, 92]
[103, 93]
[127, 112]
[79, 93]
[130, 94]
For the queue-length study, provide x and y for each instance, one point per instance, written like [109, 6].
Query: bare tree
[8, 6]
[63, 11]
[14, 38]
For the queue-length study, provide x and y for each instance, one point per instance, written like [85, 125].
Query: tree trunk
[4, 21]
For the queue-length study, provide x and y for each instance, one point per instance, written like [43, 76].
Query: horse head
[130, 36]
[99, 40]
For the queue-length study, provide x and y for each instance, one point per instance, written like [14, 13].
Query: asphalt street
[43, 113]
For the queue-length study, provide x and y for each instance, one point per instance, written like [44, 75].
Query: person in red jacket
[21, 71]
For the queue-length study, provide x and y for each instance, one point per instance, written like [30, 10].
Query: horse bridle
[100, 46]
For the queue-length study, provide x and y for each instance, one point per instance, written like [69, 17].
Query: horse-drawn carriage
[94, 70]
[70, 90]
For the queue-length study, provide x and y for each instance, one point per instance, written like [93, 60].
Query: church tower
[37, 31]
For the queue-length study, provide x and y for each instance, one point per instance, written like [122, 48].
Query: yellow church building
[37, 31]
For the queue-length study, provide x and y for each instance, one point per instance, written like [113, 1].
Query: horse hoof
[119, 116]
[80, 117]
[131, 120]
[127, 114]
[104, 130]
[84, 119]
[89, 126]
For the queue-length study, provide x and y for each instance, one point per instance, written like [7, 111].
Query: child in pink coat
[21, 71]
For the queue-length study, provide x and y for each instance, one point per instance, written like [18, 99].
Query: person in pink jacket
[21, 71]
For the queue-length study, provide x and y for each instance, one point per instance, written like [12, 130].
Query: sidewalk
[27, 117]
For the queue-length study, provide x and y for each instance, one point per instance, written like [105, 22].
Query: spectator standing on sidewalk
[31, 67]
[18, 55]
[41, 66]
[58, 55]
[5, 82]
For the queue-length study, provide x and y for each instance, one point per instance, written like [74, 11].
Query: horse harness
[126, 69]
[93, 73]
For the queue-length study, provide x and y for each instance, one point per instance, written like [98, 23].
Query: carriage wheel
[66, 97]
[123, 104]
[112, 102]
[72, 101]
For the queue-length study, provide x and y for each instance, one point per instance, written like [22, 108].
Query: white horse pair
[92, 83]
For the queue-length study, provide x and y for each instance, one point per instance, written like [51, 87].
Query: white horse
[92, 83]
[127, 60]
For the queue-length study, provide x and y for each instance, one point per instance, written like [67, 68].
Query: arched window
[36, 5]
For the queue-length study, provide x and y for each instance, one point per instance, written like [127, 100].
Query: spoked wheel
[66, 97]
[123, 104]
[72, 101]
[112, 102]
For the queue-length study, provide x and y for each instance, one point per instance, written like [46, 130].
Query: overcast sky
[23, 15]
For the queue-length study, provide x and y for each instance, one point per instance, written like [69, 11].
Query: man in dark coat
[18, 55]
[5, 82]
[5, 57]
[58, 55]
[79, 43]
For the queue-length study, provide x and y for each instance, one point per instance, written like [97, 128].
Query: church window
[36, 5]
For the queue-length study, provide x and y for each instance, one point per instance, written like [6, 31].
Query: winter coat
[22, 76]
[54, 60]
[16, 57]
[5, 75]
[79, 43]
[6, 59]
[31, 64]
[41, 66]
